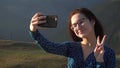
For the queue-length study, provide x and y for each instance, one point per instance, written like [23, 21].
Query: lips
[80, 31]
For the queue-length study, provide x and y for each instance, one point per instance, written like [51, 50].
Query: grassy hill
[27, 55]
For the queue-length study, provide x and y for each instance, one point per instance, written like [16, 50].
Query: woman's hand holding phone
[38, 18]
[39, 21]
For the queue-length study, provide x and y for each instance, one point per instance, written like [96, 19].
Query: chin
[81, 35]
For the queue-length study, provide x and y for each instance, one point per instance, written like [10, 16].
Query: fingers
[38, 18]
[95, 49]
[98, 40]
[99, 49]
[38, 22]
[100, 43]
[37, 15]
[104, 38]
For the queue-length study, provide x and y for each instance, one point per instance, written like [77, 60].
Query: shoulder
[109, 52]
[108, 49]
[109, 57]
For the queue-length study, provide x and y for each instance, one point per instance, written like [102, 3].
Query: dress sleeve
[48, 46]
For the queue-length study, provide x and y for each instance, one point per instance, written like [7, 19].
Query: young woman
[87, 50]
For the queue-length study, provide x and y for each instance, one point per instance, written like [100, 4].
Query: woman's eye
[74, 25]
[81, 22]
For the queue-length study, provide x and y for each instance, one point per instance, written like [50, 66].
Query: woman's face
[81, 25]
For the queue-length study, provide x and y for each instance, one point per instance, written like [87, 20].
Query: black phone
[51, 21]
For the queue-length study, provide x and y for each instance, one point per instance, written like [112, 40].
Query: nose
[78, 26]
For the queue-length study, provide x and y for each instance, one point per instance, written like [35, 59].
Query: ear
[72, 28]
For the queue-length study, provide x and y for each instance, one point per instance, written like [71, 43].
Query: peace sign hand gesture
[99, 49]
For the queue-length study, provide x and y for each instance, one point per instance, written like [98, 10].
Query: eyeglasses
[79, 23]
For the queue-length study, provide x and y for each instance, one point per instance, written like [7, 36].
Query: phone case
[51, 22]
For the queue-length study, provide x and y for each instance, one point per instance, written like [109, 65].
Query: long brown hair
[97, 27]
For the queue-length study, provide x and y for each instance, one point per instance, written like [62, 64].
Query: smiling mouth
[80, 31]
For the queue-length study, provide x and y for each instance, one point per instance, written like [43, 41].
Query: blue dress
[73, 51]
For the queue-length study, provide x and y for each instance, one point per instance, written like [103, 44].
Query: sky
[15, 15]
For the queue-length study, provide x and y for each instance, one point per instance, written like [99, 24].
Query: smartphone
[51, 21]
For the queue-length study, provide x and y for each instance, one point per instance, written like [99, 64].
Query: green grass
[30, 59]
[28, 55]
[118, 61]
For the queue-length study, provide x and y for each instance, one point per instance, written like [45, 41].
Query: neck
[89, 41]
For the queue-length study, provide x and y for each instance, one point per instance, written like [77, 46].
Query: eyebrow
[80, 20]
